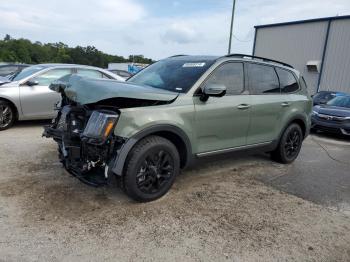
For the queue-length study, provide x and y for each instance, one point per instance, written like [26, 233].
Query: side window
[48, 77]
[6, 70]
[229, 75]
[262, 79]
[89, 73]
[287, 81]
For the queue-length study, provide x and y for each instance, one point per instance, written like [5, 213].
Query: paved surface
[224, 209]
[321, 173]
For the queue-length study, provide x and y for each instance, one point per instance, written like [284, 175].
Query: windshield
[325, 95]
[26, 72]
[176, 75]
[341, 101]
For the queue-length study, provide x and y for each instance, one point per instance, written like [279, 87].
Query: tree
[7, 37]
[25, 51]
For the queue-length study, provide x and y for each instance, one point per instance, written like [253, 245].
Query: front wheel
[151, 169]
[290, 144]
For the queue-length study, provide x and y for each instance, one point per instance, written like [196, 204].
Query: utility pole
[231, 28]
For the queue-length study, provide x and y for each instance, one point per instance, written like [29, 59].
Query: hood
[85, 90]
[332, 110]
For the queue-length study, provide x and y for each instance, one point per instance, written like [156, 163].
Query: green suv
[147, 129]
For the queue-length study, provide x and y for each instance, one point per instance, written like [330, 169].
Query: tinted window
[288, 83]
[262, 79]
[123, 73]
[230, 75]
[89, 73]
[177, 75]
[48, 77]
[341, 101]
[6, 70]
[27, 72]
[325, 95]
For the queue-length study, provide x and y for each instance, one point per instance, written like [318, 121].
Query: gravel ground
[219, 210]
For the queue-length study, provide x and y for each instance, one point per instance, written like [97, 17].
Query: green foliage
[24, 51]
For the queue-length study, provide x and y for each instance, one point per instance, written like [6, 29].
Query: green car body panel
[217, 124]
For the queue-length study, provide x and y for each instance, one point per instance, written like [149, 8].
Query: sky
[155, 28]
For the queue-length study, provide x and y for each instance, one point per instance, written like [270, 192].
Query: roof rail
[260, 58]
[176, 55]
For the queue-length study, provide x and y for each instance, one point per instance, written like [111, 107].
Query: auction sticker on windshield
[193, 64]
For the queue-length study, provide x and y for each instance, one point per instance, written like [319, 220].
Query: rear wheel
[290, 144]
[151, 169]
[7, 115]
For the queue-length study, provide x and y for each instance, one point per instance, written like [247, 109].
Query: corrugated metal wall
[336, 69]
[295, 44]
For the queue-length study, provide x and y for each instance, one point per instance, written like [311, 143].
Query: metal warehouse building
[318, 48]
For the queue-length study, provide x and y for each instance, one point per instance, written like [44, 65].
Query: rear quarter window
[288, 82]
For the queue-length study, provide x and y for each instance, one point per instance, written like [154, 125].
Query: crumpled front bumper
[79, 157]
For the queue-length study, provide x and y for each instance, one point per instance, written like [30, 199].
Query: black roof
[13, 64]
[194, 57]
[305, 21]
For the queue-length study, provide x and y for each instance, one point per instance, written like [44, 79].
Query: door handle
[243, 106]
[285, 104]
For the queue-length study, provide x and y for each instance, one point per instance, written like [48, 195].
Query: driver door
[222, 122]
[38, 100]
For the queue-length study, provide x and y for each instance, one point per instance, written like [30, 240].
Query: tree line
[24, 51]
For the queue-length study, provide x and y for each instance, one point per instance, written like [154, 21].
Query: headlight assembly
[100, 125]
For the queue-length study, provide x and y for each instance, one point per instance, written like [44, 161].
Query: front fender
[11, 94]
[123, 152]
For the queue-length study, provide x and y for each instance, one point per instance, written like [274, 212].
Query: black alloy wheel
[292, 144]
[155, 171]
[151, 168]
[289, 145]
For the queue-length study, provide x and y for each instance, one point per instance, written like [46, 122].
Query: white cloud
[180, 33]
[125, 27]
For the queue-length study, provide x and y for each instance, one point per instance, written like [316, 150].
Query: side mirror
[215, 90]
[32, 83]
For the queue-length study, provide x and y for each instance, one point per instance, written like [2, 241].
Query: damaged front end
[87, 116]
[86, 143]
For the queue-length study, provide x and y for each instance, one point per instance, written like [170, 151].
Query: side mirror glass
[32, 83]
[215, 90]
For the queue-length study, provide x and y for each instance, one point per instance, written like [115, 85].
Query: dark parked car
[323, 97]
[9, 69]
[333, 117]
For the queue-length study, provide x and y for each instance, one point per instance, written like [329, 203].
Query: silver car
[28, 97]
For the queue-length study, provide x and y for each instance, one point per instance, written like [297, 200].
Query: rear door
[267, 107]
[38, 101]
[222, 122]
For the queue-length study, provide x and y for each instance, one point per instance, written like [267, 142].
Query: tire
[150, 169]
[7, 115]
[289, 145]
